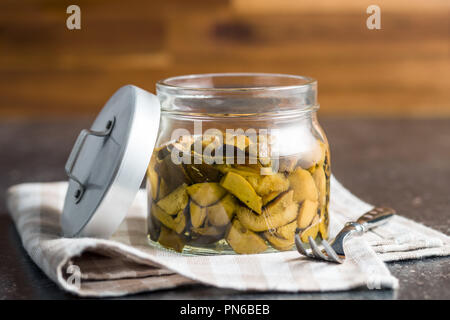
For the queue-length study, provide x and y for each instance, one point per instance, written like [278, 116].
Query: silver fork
[334, 251]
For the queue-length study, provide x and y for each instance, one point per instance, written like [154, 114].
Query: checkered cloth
[126, 264]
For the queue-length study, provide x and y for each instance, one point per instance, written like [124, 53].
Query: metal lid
[108, 163]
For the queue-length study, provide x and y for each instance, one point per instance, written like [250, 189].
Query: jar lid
[108, 163]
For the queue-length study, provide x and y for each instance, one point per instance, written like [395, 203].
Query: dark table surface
[400, 163]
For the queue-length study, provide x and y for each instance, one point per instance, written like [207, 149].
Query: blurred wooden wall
[403, 69]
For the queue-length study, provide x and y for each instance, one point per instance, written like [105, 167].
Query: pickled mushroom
[311, 231]
[287, 231]
[203, 172]
[170, 239]
[282, 238]
[177, 224]
[246, 172]
[303, 185]
[198, 214]
[269, 197]
[267, 184]
[241, 189]
[207, 193]
[222, 212]
[243, 240]
[307, 212]
[174, 175]
[176, 200]
[321, 184]
[280, 212]
[248, 205]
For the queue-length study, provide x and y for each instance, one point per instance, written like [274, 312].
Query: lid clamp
[76, 152]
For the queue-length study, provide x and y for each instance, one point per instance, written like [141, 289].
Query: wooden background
[402, 70]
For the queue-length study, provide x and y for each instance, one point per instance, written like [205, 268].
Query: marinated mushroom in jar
[247, 205]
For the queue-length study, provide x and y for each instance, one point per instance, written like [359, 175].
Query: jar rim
[237, 94]
[196, 83]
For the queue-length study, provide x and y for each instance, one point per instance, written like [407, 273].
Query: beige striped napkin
[126, 264]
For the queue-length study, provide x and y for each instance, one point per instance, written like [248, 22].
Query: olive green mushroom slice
[307, 212]
[177, 224]
[207, 193]
[170, 239]
[321, 185]
[280, 212]
[246, 168]
[282, 238]
[201, 166]
[175, 201]
[198, 214]
[303, 185]
[287, 231]
[271, 183]
[173, 174]
[241, 189]
[249, 173]
[202, 172]
[180, 222]
[267, 181]
[243, 240]
[279, 243]
[269, 197]
[222, 212]
[281, 202]
[311, 231]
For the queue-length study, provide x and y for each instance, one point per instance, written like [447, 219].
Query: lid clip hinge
[71, 161]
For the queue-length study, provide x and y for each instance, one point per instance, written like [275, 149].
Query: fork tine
[330, 252]
[300, 247]
[315, 249]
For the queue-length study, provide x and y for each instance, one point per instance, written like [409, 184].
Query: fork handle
[375, 218]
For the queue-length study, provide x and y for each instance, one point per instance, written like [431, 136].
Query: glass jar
[240, 164]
